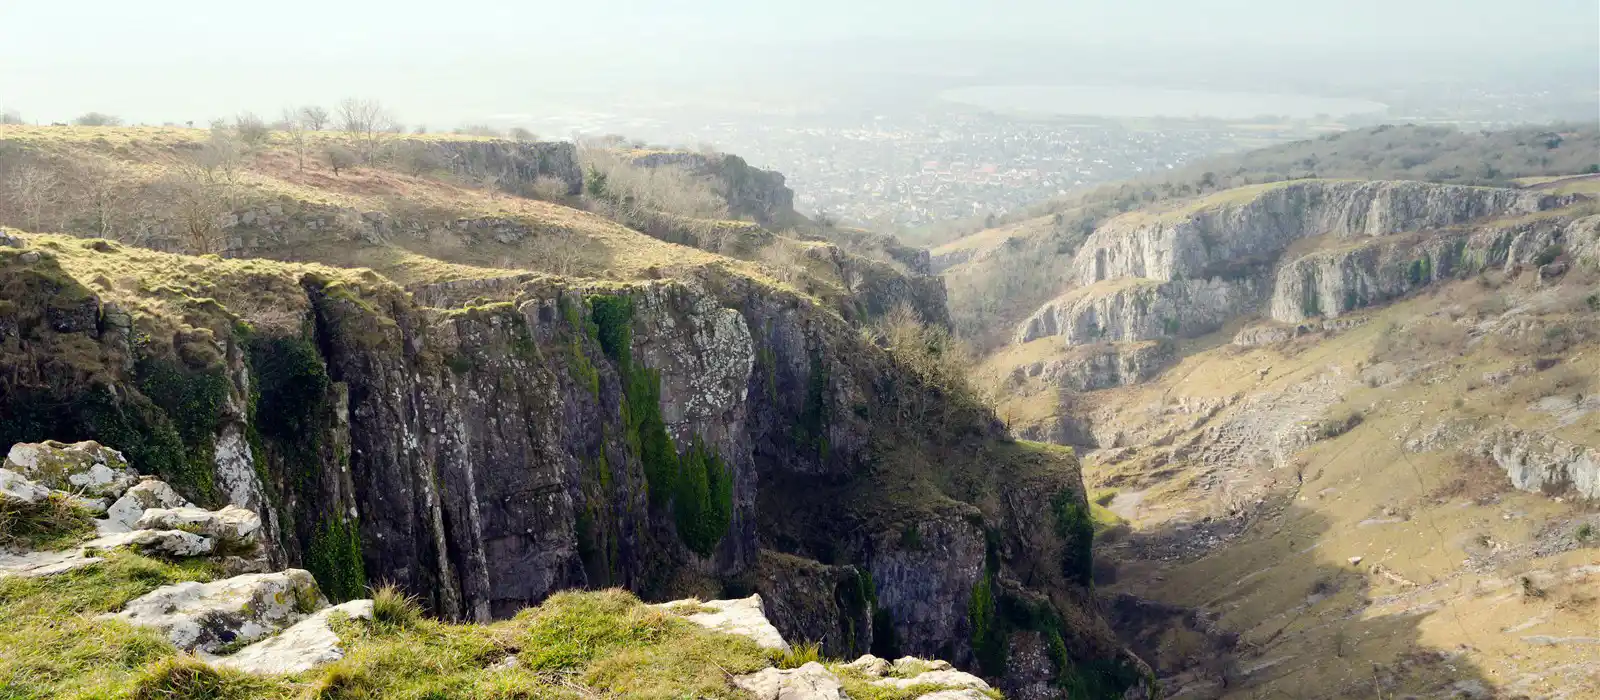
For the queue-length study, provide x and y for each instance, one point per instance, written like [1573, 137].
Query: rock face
[1189, 270]
[210, 616]
[1545, 463]
[303, 646]
[751, 193]
[83, 467]
[1127, 310]
[1205, 241]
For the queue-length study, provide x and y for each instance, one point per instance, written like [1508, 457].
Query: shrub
[251, 129]
[1339, 424]
[98, 119]
[1548, 255]
[340, 158]
[549, 188]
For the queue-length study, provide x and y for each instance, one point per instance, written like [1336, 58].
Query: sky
[169, 59]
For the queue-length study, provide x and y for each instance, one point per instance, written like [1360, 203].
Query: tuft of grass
[797, 655]
[184, 677]
[391, 606]
[54, 523]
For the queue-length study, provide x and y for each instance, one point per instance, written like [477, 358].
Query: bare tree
[36, 191]
[295, 126]
[198, 205]
[483, 130]
[522, 134]
[10, 116]
[251, 129]
[313, 117]
[98, 119]
[368, 124]
[219, 158]
[561, 249]
[112, 207]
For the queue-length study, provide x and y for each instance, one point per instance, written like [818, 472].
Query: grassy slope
[1287, 585]
[136, 158]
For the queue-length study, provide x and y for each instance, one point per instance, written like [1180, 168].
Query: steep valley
[1340, 436]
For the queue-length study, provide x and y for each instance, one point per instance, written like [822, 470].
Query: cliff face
[657, 436]
[760, 195]
[1187, 271]
[1218, 236]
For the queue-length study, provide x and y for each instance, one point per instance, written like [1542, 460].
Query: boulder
[32, 564]
[231, 525]
[869, 665]
[172, 543]
[946, 678]
[208, 617]
[16, 489]
[150, 493]
[307, 644]
[809, 682]
[86, 468]
[963, 694]
[743, 616]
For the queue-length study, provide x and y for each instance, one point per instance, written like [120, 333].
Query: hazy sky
[171, 59]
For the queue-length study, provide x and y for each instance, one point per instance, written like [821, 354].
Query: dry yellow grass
[1287, 585]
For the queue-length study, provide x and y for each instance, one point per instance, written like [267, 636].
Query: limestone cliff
[753, 193]
[656, 435]
[1293, 251]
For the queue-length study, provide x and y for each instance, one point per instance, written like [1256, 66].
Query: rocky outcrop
[124, 514]
[1100, 366]
[1235, 229]
[512, 166]
[806, 599]
[1543, 463]
[16, 489]
[1134, 310]
[231, 525]
[753, 193]
[811, 681]
[85, 467]
[209, 617]
[305, 645]
[745, 617]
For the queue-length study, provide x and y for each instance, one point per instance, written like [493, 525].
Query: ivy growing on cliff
[334, 559]
[1075, 526]
[193, 400]
[698, 484]
[291, 386]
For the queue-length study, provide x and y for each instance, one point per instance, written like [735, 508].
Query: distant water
[1109, 101]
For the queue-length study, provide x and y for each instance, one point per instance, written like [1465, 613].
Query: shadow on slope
[1268, 615]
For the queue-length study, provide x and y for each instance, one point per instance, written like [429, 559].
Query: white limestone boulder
[85, 468]
[123, 515]
[305, 645]
[33, 564]
[869, 666]
[949, 679]
[170, 543]
[207, 617]
[809, 682]
[18, 490]
[231, 525]
[743, 616]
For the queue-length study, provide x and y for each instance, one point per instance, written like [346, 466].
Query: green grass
[55, 523]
